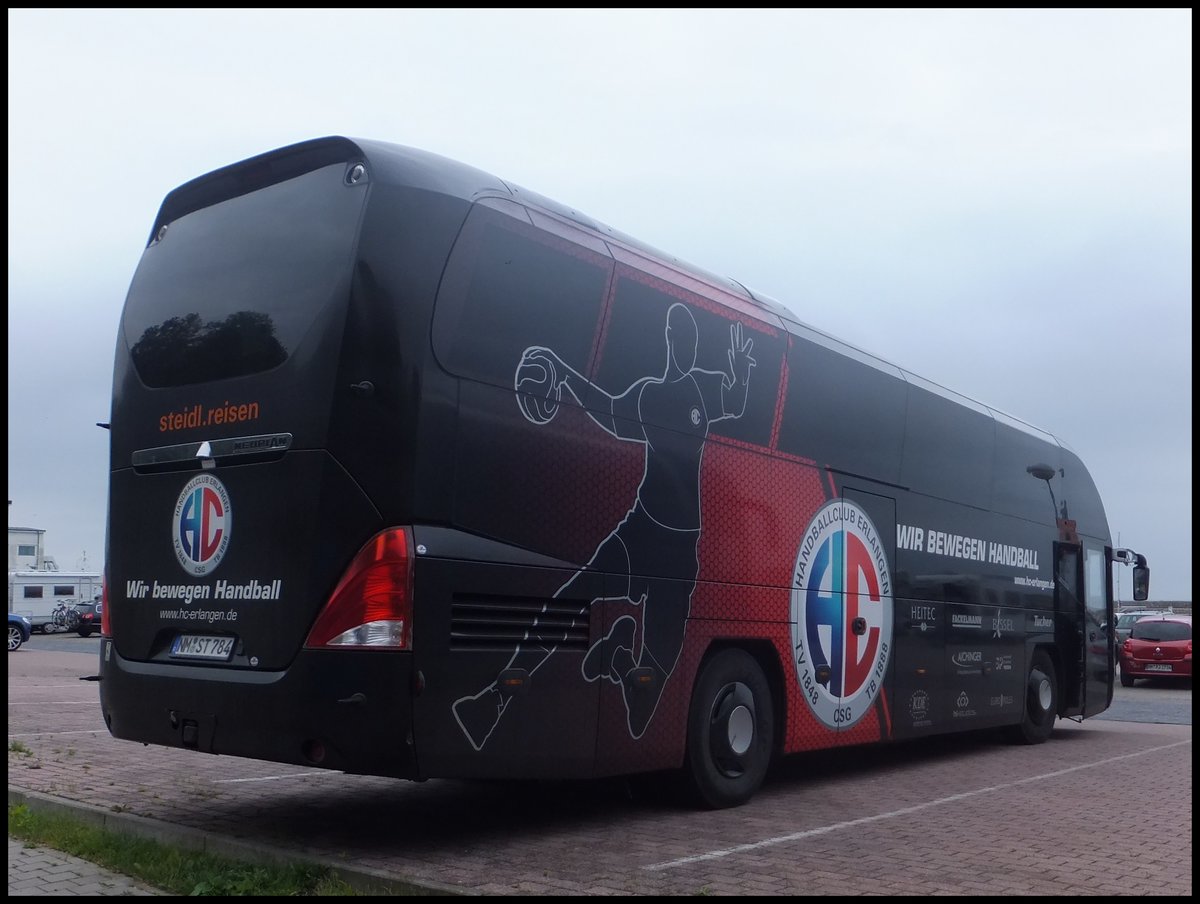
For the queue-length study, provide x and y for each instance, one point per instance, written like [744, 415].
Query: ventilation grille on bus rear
[504, 622]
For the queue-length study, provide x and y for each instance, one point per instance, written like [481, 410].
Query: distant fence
[1179, 608]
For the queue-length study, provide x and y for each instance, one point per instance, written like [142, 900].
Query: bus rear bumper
[350, 711]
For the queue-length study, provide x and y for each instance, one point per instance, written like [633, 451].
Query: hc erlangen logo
[841, 614]
[201, 527]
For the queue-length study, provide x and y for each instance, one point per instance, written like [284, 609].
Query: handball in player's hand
[538, 386]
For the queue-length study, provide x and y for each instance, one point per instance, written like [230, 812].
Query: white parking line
[51, 734]
[953, 798]
[55, 703]
[46, 687]
[274, 778]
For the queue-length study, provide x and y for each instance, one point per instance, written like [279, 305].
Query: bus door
[1068, 630]
[1098, 627]
[1082, 601]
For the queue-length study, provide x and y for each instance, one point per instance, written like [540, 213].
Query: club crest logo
[841, 614]
[203, 520]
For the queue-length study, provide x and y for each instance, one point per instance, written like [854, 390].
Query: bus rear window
[231, 289]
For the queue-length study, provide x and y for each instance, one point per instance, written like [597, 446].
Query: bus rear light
[371, 608]
[105, 619]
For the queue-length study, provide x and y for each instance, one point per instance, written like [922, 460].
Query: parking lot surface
[1104, 807]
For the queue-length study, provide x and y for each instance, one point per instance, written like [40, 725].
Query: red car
[1158, 646]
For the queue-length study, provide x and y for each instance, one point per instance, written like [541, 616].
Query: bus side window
[949, 446]
[509, 286]
[636, 347]
[843, 408]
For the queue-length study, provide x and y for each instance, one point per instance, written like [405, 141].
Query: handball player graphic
[670, 416]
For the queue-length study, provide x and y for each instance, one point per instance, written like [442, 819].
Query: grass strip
[173, 870]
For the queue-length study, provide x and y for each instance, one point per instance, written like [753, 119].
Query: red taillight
[105, 623]
[371, 608]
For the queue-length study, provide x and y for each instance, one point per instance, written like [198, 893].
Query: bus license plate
[1158, 667]
[202, 646]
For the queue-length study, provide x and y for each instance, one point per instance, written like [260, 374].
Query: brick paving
[42, 871]
[951, 816]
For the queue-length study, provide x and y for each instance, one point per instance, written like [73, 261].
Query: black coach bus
[416, 473]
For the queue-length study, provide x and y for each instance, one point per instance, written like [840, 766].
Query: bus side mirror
[1141, 582]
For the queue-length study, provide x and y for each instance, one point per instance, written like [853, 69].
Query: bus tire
[730, 732]
[1041, 701]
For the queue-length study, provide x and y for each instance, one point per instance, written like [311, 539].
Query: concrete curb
[365, 881]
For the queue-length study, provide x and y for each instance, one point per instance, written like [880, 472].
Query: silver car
[1127, 619]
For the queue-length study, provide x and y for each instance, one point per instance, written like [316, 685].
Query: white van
[36, 594]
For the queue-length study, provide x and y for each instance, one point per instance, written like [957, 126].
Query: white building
[26, 550]
[36, 586]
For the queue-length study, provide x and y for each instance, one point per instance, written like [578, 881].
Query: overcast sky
[999, 201]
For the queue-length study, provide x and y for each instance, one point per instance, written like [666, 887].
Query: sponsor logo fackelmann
[959, 620]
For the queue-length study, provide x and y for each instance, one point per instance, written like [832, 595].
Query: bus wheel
[1041, 701]
[730, 731]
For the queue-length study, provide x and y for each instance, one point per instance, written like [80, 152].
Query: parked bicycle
[64, 617]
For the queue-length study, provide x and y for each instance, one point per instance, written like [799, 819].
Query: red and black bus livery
[417, 473]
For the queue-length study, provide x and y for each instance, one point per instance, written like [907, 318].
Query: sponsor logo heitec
[923, 618]
[202, 524]
[841, 614]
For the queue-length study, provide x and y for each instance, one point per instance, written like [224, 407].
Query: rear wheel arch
[1041, 698]
[767, 657]
[731, 734]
